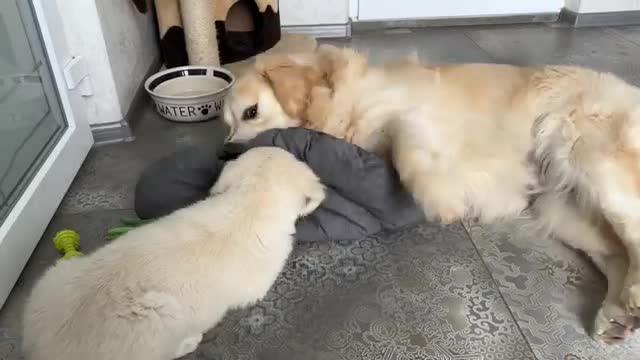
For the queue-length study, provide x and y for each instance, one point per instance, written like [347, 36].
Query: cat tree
[214, 32]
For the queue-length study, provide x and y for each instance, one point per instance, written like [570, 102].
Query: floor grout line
[495, 283]
[619, 35]
[485, 51]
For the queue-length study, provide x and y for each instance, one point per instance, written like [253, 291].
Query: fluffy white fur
[152, 293]
[482, 140]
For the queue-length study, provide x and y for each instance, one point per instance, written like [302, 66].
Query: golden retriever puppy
[152, 293]
[481, 140]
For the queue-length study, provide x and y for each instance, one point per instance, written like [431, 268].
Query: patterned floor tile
[552, 290]
[421, 293]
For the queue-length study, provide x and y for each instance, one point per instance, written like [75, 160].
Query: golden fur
[481, 140]
[151, 294]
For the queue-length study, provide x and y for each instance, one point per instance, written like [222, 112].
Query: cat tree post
[200, 32]
[171, 33]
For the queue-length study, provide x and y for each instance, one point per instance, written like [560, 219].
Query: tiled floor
[429, 292]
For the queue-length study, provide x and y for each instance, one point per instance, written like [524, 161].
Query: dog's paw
[613, 325]
[440, 196]
[631, 298]
[444, 216]
[450, 216]
[444, 211]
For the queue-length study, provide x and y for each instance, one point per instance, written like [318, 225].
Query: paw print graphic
[204, 109]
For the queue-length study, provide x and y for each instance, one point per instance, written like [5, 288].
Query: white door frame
[25, 224]
[385, 10]
[353, 9]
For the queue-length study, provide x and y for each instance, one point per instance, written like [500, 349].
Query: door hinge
[77, 76]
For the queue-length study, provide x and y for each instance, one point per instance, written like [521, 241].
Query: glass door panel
[31, 120]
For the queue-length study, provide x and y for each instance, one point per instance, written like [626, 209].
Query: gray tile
[598, 48]
[436, 45]
[9, 345]
[421, 293]
[631, 33]
[553, 291]
[91, 226]
[108, 176]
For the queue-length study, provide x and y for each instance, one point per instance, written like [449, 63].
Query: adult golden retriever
[481, 140]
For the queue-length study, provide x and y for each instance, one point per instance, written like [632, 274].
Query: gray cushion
[364, 195]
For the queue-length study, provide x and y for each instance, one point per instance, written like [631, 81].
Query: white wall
[307, 12]
[592, 6]
[132, 45]
[118, 50]
[84, 37]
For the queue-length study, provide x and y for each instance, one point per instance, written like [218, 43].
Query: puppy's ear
[228, 177]
[291, 82]
[313, 199]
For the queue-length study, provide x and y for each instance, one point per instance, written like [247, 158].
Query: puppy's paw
[613, 325]
[188, 345]
[350, 134]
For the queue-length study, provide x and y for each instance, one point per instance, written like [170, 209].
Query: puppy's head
[273, 174]
[274, 94]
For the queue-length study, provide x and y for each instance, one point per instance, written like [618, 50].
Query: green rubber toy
[127, 224]
[67, 242]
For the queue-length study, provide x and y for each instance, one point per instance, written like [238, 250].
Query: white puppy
[152, 293]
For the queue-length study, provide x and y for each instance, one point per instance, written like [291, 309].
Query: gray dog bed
[364, 195]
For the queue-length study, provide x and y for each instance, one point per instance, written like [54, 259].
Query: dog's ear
[341, 65]
[291, 82]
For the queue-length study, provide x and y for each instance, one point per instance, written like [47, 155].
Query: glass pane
[30, 118]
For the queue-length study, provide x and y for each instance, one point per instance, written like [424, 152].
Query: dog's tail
[589, 143]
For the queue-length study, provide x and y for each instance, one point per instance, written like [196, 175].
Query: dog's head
[275, 173]
[274, 94]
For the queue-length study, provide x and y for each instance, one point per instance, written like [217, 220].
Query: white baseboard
[320, 31]
[111, 133]
[614, 18]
